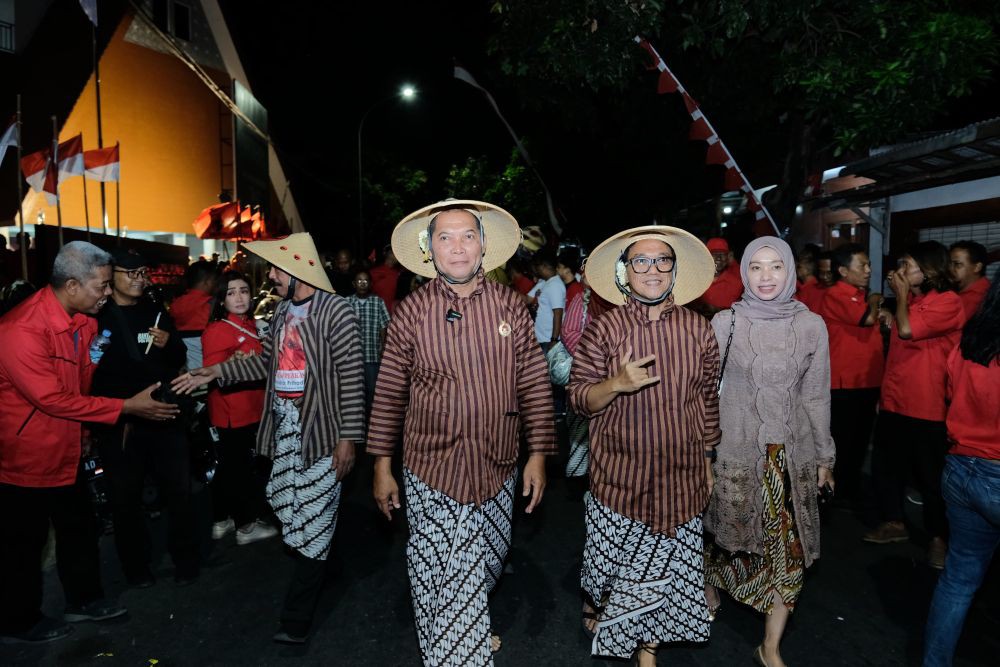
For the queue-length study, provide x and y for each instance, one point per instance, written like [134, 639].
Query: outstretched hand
[199, 377]
[633, 375]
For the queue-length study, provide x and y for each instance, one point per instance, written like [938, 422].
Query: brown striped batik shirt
[459, 392]
[647, 448]
[333, 403]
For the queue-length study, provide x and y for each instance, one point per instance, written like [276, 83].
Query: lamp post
[407, 93]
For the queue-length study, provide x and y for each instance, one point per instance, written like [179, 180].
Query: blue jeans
[971, 490]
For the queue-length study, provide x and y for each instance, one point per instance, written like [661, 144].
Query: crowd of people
[711, 403]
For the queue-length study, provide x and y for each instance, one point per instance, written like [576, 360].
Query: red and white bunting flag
[70, 154]
[702, 130]
[8, 138]
[102, 164]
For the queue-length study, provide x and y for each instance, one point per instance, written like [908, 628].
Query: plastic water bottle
[99, 345]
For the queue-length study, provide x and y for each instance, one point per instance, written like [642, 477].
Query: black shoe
[46, 630]
[98, 610]
[282, 637]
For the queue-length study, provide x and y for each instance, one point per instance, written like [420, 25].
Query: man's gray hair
[78, 260]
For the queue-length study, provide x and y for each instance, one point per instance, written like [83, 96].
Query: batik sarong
[578, 430]
[750, 578]
[647, 587]
[455, 556]
[305, 499]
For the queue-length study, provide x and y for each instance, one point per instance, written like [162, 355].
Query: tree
[837, 75]
[512, 187]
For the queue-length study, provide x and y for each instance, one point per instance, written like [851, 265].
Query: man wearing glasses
[145, 348]
[646, 375]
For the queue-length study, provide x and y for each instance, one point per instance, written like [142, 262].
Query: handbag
[560, 362]
[558, 357]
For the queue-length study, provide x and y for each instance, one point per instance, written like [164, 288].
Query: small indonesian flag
[70, 154]
[40, 173]
[102, 164]
[8, 138]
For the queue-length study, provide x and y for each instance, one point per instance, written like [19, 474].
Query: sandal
[713, 610]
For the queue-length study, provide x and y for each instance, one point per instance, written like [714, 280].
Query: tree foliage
[512, 186]
[859, 72]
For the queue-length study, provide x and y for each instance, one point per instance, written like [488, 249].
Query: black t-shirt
[122, 373]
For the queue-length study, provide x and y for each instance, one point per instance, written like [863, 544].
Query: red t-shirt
[811, 293]
[914, 380]
[856, 360]
[725, 290]
[385, 280]
[191, 310]
[242, 405]
[973, 295]
[523, 284]
[973, 416]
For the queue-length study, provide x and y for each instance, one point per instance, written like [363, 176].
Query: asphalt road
[862, 604]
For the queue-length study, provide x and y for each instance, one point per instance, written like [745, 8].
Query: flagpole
[86, 206]
[118, 196]
[20, 198]
[100, 131]
[55, 162]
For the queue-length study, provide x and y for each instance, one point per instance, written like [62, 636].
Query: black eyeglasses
[663, 264]
[134, 274]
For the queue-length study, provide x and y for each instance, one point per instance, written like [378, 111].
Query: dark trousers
[128, 454]
[25, 513]
[371, 376]
[852, 415]
[303, 594]
[235, 489]
[905, 447]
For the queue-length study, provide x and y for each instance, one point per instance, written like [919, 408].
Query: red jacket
[916, 369]
[973, 295]
[232, 407]
[973, 420]
[45, 374]
[191, 310]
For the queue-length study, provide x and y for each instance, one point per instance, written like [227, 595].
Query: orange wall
[168, 124]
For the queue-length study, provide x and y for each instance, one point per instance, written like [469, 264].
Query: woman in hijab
[776, 453]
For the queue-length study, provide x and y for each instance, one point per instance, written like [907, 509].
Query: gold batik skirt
[749, 578]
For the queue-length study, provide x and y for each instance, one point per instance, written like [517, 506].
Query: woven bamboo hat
[693, 271]
[295, 255]
[411, 243]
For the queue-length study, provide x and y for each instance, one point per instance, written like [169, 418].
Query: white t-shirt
[551, 296]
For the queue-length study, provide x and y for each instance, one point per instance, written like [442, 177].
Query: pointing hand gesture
[633, 375]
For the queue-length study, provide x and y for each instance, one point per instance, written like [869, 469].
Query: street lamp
[407, 93]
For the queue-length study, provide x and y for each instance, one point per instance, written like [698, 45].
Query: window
[160, 15]
[173, 18]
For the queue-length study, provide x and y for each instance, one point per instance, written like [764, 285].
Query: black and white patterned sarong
[305, 500]
[578, 430]
[455, 556]
[648, 587]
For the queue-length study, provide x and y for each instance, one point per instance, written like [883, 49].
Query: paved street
[862, 604]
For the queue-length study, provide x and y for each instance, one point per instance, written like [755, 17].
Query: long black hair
[219, 311]
[933, 260]
[981, 335]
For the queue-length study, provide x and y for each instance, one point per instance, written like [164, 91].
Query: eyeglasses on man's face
[663, 264]
[135, 274]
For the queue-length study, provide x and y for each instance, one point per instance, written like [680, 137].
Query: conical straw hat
[295, 255]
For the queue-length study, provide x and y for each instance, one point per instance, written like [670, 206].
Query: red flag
[716, 153]
[690, 104]
[102, 164]
[70, 154]
[733, 179]
[700, 131]
[40, 173]
[667, 84]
